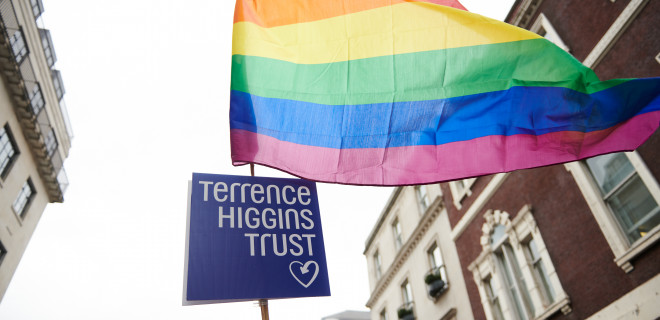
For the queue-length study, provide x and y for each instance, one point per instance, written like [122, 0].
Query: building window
[3, 252]
[51, 142]
[406, 292]
[24, 199]
[396, 230]
[625, 194]
[37, 8]
[57, 83]
[460, 189]
[423, 198]
[8, 151]
[540, 272]
[383, 314]
[378, 263]
[47, 44]
[36, 99]
[516, 278]
[406, 310]
[544, 28]
[494, 300]
[18, 46]
[516, 289]
[435, 261]
[436, 277]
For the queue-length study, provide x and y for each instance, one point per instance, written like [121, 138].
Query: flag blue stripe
[517, 110]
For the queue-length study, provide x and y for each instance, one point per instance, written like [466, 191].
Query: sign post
[253, 238]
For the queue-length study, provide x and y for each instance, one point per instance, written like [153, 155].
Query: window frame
[383, 314]
[4, 172]
[486, 267]
[37, 8]
[433, 264]
[622, 186]
[461, 189]
[623, 250]
[493, 299]
[397, 233]
[535, 262]
[406, 292]
[517, 292]
[378, 264]
[542, 23]
[50, 140]
[37, 101]
[25, 206]
[23, 51]
[423, 198]
[3, 252]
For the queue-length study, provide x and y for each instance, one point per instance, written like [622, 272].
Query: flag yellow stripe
[402, 28]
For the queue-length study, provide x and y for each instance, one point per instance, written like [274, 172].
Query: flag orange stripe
[283, 12]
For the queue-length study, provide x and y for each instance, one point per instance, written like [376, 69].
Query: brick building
[577, 240]
[571, 241]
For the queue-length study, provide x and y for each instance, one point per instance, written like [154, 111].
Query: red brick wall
[581, 23]
[581, 256]
[633, 55]
[577, 247]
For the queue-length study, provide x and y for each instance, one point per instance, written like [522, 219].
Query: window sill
[636, 248]
[564, 305]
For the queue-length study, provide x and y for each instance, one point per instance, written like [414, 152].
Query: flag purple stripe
[427, 164]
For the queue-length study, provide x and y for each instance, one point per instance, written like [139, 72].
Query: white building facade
[35, 135]
[414, 271]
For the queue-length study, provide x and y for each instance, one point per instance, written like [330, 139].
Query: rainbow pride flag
[398, 92]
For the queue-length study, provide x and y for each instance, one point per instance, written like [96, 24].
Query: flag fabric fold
[398, 92]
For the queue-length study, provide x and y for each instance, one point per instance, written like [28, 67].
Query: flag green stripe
[418, 76]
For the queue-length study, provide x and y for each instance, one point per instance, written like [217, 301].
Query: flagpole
[263, 303]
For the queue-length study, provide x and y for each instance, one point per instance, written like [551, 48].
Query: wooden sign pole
[263, 303]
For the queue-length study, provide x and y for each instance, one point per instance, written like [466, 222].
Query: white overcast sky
[147, 91]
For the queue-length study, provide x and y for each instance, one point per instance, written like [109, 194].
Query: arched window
[514, 273]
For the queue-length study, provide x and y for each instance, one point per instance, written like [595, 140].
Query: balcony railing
[436, 284]
[406, 311]
[26, 92]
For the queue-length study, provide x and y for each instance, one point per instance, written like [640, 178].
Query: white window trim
[623, 251]
[377, 265]
[614, 32]
[518, 230]
[393, 223]
[543, 22]
[459, 195]
[423, 202]
[436, 242]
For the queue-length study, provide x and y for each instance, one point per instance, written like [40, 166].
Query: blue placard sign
[253, 238]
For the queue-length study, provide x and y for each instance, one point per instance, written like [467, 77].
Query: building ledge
[30, 123]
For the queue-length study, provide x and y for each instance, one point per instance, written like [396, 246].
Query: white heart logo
[304, 269]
